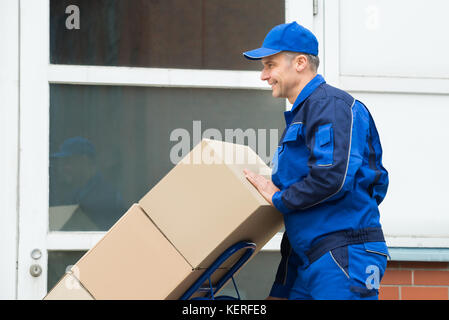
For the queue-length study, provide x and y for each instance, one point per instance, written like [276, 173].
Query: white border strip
[401, 249]
[404, 242]
[34, 130]
[125, 76]
[62, 241]
[417, 242]
[9, 129]
[394, 84]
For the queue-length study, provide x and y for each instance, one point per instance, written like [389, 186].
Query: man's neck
[302, 83]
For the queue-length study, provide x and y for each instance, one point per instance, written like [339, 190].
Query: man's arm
[328, 137]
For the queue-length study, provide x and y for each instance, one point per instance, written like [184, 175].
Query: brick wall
[413, 280]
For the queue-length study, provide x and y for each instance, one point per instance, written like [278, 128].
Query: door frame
[36, 74]
[9, 146]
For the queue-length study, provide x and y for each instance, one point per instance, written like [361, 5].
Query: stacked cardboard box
[165, 242]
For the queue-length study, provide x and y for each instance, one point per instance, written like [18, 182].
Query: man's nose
[264, 75]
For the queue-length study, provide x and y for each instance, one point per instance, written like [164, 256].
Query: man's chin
[276, 94]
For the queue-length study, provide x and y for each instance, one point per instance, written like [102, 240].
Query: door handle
[36, 254]
[35, 270]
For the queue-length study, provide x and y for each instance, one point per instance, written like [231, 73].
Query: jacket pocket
[324, 145]
[291, 135]
[341, 258]
[293, 132]
[377, 248]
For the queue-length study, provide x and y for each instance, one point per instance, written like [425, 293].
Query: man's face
[279, 71]
[74, 171]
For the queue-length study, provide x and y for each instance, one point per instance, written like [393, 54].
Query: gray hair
[314, 61]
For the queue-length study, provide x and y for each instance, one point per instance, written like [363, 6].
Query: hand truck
[211, 291]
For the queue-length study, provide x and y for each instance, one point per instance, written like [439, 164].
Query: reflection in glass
[81, 198]
[193, 34]
[110, 145]
[58, 263]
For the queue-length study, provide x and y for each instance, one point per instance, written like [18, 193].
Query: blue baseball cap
[75, 146]
[285, 37]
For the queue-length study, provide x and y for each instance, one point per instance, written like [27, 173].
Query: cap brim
[260, 53]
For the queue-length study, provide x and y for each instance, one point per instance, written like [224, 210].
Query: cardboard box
[163, 244]
[205, 204]
[133, 261]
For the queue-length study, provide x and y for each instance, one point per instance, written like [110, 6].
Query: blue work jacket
[328, 166]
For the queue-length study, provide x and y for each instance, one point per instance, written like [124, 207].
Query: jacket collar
[308, 89]
[303, 95]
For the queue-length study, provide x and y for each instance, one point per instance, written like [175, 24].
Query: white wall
[392, 55]
[9, 113]
[414, 135]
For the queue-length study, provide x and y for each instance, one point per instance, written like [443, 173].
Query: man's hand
[265, 187]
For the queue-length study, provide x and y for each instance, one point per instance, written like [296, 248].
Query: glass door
[106, 88]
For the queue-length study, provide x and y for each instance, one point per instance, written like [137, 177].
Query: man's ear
[301, 62]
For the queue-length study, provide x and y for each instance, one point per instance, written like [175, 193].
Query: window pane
[109, 145]
[255, 279]
[58, 261]
[200, 34]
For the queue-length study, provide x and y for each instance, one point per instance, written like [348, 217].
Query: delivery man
[327, 178]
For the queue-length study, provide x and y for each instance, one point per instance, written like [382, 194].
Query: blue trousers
[350, 272]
